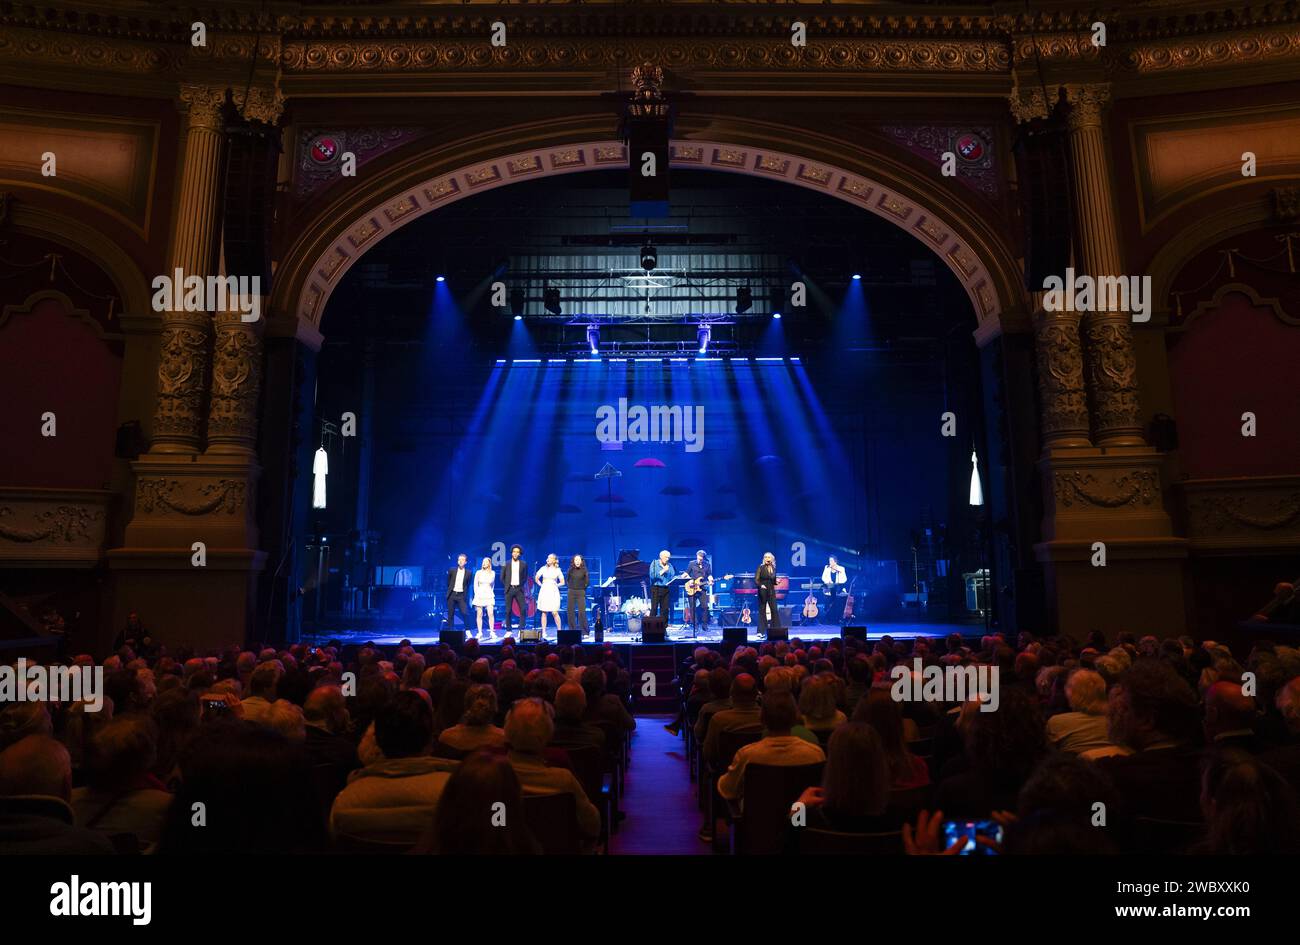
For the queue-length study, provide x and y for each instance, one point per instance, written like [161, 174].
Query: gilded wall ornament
[1112, 375]
[1060, 377]
[1139, 487]
[236, 381]
[66, 523]
[183, 361]
[167, 495]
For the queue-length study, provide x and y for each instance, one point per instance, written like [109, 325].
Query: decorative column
[183, 358]
[237, 344]
[1108, 335]
[236, 383]
[1064, 403]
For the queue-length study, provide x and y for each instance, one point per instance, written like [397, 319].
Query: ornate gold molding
[1061, 393]
[236, 382]
[64, 523]
[44, 527]
[1247, 513]
[203, 105]
[1087, 101]
[1107, 491]
[163, 496]
[397, 38]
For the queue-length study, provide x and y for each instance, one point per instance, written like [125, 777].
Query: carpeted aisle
[662, 816]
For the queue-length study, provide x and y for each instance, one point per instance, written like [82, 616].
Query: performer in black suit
[699, 570]
[766, 579]
[459, 580]
[577, 580]
[515, 576]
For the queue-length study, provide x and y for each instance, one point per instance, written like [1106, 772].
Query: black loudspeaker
[130, 442]
[453, 638]
[778, 633]
[252, 156]
[654, 629]
[647, 144]
[855, 631]
[1043, 176]
[570, 637]
[735, 636]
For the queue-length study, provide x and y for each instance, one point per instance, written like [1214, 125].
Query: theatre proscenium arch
[884, 201]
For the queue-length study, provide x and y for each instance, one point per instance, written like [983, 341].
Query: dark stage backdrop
[753, 456]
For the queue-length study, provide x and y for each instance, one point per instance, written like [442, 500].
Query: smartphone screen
[970, 829]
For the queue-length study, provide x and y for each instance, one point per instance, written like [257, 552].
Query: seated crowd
[432, 751]
[1145, 746]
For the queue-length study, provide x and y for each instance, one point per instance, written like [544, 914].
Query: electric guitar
[695, 585]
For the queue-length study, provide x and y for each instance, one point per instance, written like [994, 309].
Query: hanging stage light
[649, 257]
[778, 299]
[551, 300]
[703, 334]
[744, 300]
[518, 298]
[593, 338]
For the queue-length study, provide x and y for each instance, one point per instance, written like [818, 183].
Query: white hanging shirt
[320, 467]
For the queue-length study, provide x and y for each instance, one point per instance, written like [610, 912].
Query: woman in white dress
[484, 596]
[550, 578]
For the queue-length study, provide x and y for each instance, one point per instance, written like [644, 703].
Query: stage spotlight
[551, 300]
[744, 300]
[518, 299]
[857, 277]
[776, 314]
[519, 318]
[778, 299]
[702, 335]
[593, 338]
[441, 279]
[649, 257]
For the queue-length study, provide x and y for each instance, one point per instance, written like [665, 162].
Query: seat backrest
[1154, 835]
[769, 790]
[907, 803]
[553, 819]
[443, 750]
[348, 843]
[730, 742]
[816, 842]
[589, 768]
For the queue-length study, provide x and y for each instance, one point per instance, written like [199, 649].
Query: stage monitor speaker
[1043, 175]
[735, 636]
[530, 634]
[570, 637]
[778, 633]
[453, 638]
[654, 629]
[855, 631]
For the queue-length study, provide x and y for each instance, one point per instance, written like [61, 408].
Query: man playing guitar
[699, 587]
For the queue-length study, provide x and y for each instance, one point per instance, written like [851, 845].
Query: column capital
[203, 105]
[1086, 103]
[264, 104]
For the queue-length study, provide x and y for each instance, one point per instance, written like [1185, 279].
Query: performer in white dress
[485, 596]
[550, 578]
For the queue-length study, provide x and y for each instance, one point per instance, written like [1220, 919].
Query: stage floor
[677, 633]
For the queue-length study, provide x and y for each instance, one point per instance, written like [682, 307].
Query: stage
[677, 634]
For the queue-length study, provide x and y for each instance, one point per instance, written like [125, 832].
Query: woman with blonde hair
[485, 596]
[550, 579]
